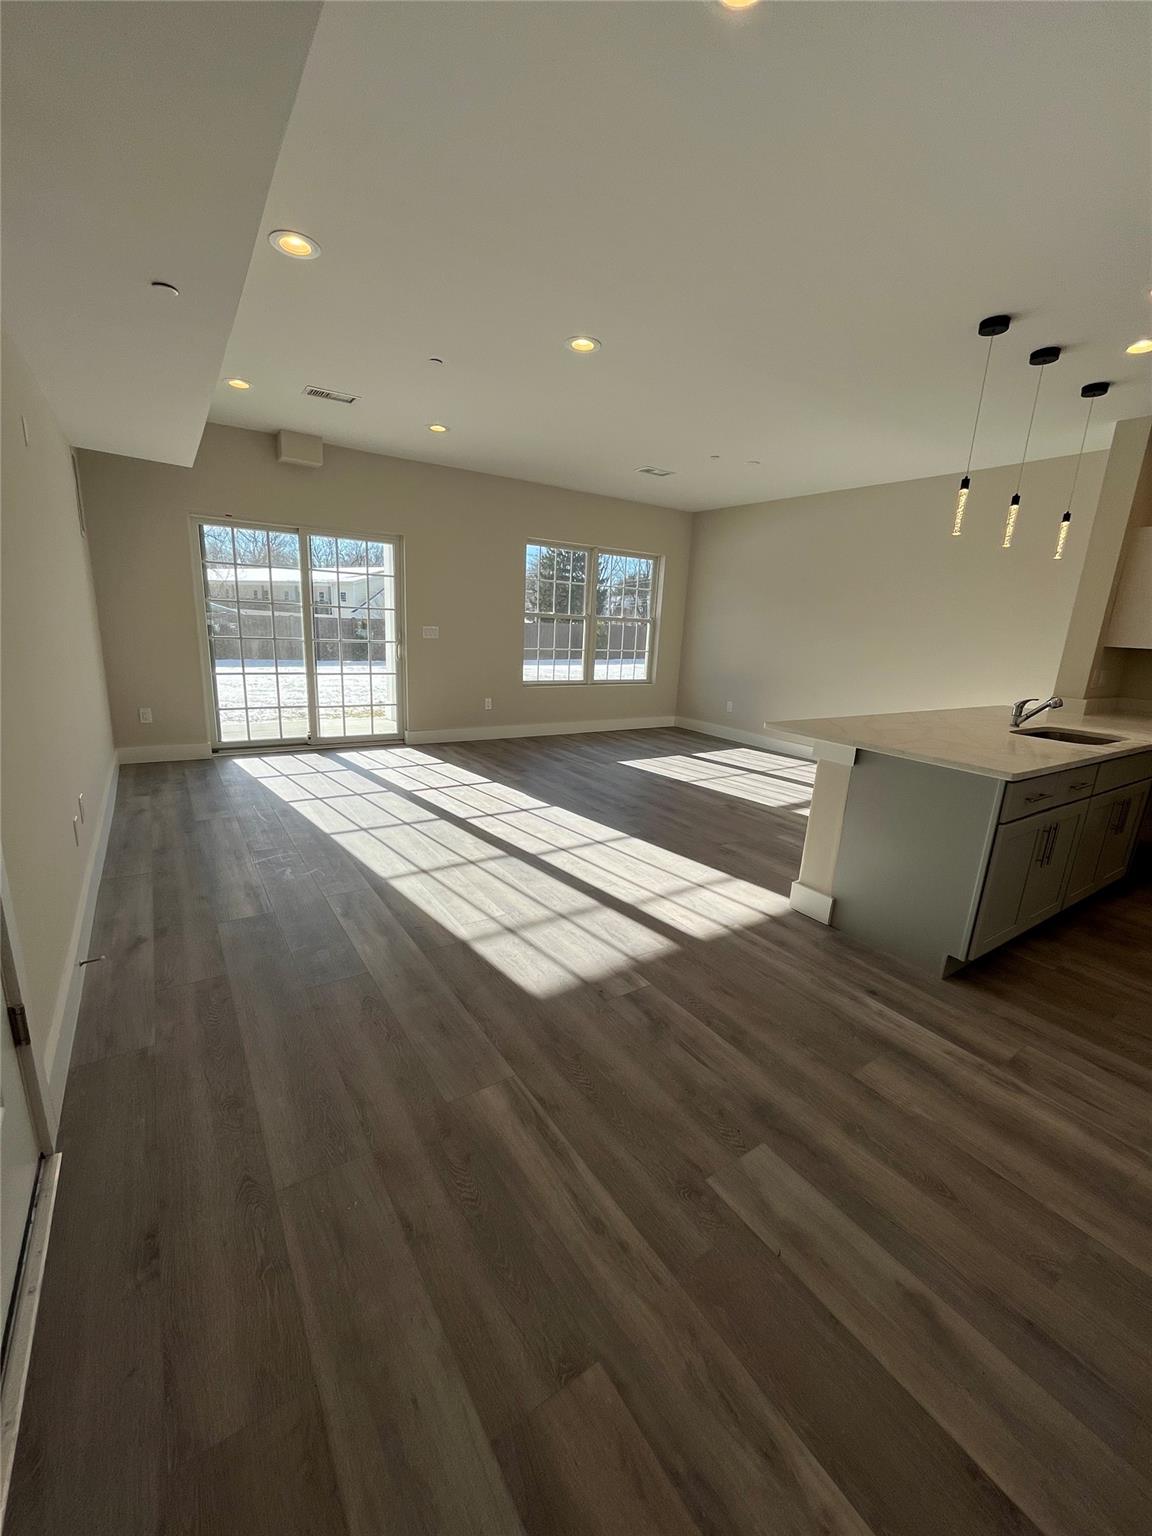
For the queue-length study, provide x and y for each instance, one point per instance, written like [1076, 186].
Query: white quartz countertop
[975, 740]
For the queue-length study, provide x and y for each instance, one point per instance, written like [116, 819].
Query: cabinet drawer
[1123, 770]
[1028, 796]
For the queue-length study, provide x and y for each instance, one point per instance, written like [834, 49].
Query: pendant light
[1040, 360]
[993, 326]
[1091, 393]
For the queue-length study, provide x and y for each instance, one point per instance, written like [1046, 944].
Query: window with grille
[589, 615]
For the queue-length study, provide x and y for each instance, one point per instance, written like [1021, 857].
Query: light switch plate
[431, 631]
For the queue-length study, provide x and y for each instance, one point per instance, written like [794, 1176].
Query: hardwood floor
[468, 1141]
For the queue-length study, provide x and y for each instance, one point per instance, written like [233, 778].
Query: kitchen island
[938, 835]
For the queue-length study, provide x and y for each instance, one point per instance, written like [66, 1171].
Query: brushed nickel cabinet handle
[1045, 794]
[1083, 784]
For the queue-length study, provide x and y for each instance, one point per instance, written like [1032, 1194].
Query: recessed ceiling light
[1138, 348]
[238, 384]
[582, 344]
[290, 242]
[437, 426]
[169, 288]
[738, 5]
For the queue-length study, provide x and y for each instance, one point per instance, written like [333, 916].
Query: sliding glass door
[303, 635]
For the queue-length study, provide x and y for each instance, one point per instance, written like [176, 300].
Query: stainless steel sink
[1054, 733]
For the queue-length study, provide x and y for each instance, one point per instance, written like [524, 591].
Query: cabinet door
[1048, 873]
[1017, 848]
[1026, 876]
[1120, 832]
[1082, 872]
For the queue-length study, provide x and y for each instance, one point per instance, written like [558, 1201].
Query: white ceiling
[783, 224]
[139, 142]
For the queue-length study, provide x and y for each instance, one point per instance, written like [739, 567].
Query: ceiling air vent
[314, 392]
[650, 469]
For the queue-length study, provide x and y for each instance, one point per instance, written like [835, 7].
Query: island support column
[812, 893]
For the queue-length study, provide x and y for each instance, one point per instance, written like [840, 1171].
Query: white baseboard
[749, 738]
[180, 753]
[560, 728]
[814, 904]
[62, 1030]
[26, 1304]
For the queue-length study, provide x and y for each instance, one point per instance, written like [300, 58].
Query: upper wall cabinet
[1131, 622]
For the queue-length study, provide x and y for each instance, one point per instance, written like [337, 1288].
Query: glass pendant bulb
[961, 503]
[1010, 525]
[1062, 536]
[990, 327]
[1091, 393]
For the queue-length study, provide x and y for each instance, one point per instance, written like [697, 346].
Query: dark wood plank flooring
[468, 1141]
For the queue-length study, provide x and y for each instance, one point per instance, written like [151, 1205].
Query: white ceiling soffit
[139, 143]
[784, 226]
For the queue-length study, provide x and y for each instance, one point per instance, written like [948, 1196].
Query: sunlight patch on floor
[547, 932]
[764, 778]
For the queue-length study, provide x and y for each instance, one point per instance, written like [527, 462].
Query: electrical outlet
[728, 706]
[80, 805]
[145, 715]
[487, 703]
[76, 829]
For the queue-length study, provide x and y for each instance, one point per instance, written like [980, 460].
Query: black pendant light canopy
[1040, 360]
[992, 326]
[1091, 393]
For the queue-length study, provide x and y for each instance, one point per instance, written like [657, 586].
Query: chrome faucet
[1021, 712]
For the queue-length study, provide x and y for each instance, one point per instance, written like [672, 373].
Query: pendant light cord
[979, 403]
[1080, 455]
[1028, 434]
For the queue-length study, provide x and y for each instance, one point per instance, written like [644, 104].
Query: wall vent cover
[314, 392]
[651, 469]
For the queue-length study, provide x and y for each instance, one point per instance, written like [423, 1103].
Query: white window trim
[589, 616]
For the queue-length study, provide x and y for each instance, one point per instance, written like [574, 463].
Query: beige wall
[463, 537]
[57, 743]
[861, 601]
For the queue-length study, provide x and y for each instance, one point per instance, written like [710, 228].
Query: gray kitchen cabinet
[1105, 848]
[940, 866]
[1120, 834]
[1027, 875]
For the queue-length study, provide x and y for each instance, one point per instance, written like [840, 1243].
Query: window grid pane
[624, 585]
[555, 586]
